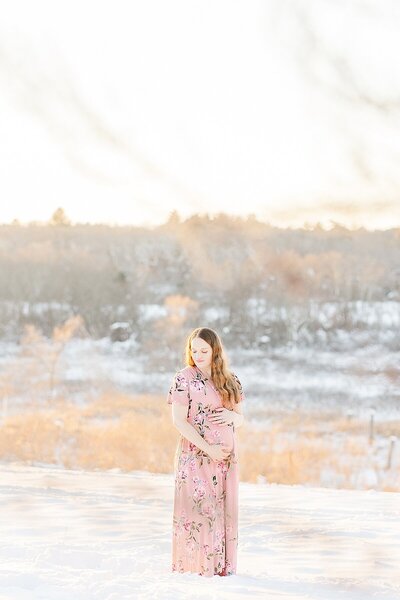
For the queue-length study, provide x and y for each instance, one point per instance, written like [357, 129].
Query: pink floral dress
[205, 515]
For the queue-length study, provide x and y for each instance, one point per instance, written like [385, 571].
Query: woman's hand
[218, 452]
[222, 416]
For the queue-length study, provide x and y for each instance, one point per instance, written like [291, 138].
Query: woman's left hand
[222, 416]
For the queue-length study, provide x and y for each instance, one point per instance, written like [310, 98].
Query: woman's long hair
[223, 379]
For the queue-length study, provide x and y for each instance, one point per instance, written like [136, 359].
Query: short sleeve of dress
[242, 396]
[179, 392]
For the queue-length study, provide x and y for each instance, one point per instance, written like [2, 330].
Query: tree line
[234, 273]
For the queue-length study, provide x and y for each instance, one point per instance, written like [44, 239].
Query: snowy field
[316, 403]
[77, 535]
[350, 378]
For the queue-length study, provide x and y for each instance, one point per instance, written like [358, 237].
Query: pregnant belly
[221, 434]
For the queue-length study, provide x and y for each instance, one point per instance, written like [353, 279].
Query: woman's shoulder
[236, 378]
[186, 372]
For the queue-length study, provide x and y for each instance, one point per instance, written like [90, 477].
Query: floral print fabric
[205, 515]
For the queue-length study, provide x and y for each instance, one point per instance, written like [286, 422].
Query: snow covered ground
[72, 535]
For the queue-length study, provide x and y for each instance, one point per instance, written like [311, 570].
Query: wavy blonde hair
[223, 379]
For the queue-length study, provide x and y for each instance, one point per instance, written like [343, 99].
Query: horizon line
[306, 225]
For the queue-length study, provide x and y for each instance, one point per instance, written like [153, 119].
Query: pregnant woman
[206, 409]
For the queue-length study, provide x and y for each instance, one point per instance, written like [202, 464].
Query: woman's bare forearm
[191, 434]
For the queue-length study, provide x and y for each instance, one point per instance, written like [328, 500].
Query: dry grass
[136, 433]
[130, 433]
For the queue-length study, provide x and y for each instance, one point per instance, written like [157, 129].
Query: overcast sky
[123, 111]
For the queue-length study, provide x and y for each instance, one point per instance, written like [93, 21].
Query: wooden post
[391, 450]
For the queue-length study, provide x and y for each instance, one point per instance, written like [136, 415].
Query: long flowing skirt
[205, 515]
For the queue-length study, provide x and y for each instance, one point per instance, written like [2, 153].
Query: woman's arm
[223, 416]
[186, 429]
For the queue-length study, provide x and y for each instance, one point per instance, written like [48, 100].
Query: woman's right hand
[218, 452]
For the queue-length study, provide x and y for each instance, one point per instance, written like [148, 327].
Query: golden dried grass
[136, 433]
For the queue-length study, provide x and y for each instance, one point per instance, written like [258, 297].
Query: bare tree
[59, 217]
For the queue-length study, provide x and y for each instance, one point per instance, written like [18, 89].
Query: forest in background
[260, 285]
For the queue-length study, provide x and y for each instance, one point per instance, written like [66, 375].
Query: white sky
[209, 110]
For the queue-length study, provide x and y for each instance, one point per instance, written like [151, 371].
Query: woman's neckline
[206, 377]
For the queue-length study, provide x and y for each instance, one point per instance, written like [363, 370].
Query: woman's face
[201, 353]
